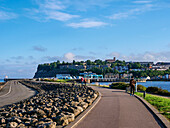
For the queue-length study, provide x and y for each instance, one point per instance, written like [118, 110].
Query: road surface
[117, 109]
[14, 92]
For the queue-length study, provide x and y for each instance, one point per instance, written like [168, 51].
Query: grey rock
[12, 125]
[21, 126]
[2, 120]
[70, 116]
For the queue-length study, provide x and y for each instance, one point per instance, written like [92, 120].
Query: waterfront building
[78, 67]
[121, 68]
[160, 67]
[136, 70]
[105, 66]
[63, 76]
[126, 75]
[147, 64]
[92, 66]
[91, 75]
[146, 78]
[111, 75]
[111, 60]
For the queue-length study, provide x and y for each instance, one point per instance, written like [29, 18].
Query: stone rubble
[56, 105]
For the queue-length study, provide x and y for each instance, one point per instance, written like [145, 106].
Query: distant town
[109, 68]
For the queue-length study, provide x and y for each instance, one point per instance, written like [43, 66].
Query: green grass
[58, 80]
[119, 85]
[104, 86]
[160, 103]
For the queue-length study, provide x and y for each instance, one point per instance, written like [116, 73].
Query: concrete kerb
[84, 114]
[164, 122]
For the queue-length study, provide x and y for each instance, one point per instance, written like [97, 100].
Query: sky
[34, 32]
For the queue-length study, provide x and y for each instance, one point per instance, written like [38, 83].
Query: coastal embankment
[54, 105]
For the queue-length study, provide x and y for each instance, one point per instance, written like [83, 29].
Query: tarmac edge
[155, 112]
[84, 114]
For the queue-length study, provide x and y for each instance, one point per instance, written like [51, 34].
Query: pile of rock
[54, 105]
[2, 84]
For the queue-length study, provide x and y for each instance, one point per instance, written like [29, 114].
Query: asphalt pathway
[14, 92]
[117, 109]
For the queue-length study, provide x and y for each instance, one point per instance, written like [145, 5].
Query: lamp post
[136, 86]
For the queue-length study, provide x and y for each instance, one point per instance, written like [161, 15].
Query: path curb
[85, 113]
[164, 122]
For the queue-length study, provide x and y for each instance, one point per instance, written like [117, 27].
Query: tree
[63, 63]
[74, 62]
[58, 62]
[88, 62]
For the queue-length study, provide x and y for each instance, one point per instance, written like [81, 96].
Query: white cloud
[114, 54]
[69, 56]
[142, 2]
[51, 4]
[50, 10]
[131, 12]
[147, 56]
[7, 15]
[17, 57]
[56, 15]
[78, 49]
[39, 48]
[87, 24]
[17, 70]
[168, 45]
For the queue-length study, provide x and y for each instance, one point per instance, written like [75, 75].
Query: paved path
[117, 109]
[14, 92]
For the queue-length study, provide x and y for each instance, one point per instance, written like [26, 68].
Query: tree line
[99, 70]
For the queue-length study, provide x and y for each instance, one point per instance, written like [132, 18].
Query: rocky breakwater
[56, 105]
[2, 84]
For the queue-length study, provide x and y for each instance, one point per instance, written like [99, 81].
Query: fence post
[144, 94]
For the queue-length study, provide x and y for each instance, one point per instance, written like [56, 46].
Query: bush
[141, 88]
[1, 83]
[119, 85]
[152, 89]
[158, 91]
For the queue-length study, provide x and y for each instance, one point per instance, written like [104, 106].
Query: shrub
[158, 91]
[152, 89]
[141, 88]
[1, 83]
[119, 85]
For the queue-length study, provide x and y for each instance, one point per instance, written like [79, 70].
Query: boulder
[78, 110]
[12, 125]
[2, 120]
[61, 119]
[70, 116]
[84, 105]
[21, 126]
[41, 113]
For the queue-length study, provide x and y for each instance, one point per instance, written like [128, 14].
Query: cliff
[53, 72]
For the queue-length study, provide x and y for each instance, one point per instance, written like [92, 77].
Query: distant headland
[109, 68]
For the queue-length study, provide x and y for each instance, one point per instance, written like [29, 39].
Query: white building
[121, 68]
[63, 76]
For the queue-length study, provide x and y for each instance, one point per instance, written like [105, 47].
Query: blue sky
[43, 31]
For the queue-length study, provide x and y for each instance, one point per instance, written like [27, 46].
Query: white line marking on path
[8, 91]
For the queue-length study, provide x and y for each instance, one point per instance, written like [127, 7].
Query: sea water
[161, 84]
[1, 80]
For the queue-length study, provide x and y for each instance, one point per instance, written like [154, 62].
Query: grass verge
[160, 103]
[58, 80]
